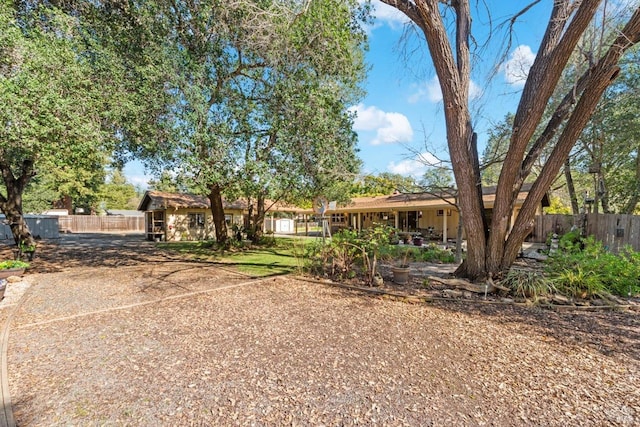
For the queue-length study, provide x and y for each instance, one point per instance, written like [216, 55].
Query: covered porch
[438, 225]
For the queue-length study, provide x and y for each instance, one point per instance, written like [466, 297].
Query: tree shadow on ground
[103, 250]
[90, 251]
[612, 333]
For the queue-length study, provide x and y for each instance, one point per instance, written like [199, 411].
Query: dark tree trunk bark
[11, 206]
[459, 234]
[604, 194]
[217, 211]
[575, 208]
[258, 219]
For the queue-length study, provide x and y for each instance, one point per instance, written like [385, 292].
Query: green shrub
[527, 283]
[586, 269]
[7, 265]
[578, 283]
[435, 254]
[571, 241]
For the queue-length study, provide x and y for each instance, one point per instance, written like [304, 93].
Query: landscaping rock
[535, 255]
[452, 293]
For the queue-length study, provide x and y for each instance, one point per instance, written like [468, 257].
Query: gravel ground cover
[167, 342]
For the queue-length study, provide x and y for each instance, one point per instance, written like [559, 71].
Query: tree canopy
[259, 90]
[51, 110]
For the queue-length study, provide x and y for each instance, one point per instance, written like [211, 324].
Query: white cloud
[390, 127]
[516, 68]
[431, 91]
[414, 167]
[389, 15]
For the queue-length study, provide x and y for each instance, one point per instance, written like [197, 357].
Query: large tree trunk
[454, 76]
[217, 211]
[568, 21]
[11, 206]
[555, 50]
[258, 219]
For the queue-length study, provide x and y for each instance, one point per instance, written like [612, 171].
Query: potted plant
[401, 271]
[12, 268]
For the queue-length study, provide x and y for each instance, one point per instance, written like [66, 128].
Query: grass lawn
[284, 255]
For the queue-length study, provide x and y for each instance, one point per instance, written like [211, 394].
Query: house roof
[394, 202]
[416, 201]
[163, 200]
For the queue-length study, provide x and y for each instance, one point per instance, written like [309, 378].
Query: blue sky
[400, 121]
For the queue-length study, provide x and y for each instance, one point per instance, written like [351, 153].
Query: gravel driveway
[168, 342]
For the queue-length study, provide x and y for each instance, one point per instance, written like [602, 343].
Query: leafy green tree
[50, 106]
[496, 150]
[383, 184]
[168, 183]
[259, 93]
[74, 87]
[611, 143]
[117, 193]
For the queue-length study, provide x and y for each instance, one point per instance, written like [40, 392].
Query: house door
[408, 221]
[412, 220]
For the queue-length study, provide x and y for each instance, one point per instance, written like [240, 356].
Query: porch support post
[396, 216]
[444, 225]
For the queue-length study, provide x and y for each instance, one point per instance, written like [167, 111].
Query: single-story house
[175, 217]
[432, 216]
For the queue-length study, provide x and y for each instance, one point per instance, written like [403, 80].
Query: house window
[337, 218]
[440, 212]
[196, 220]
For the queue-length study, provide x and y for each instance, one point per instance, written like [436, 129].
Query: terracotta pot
[400, 275]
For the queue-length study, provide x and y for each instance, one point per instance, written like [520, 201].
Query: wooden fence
[549, 224]
[613, 230]
[93, 224]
